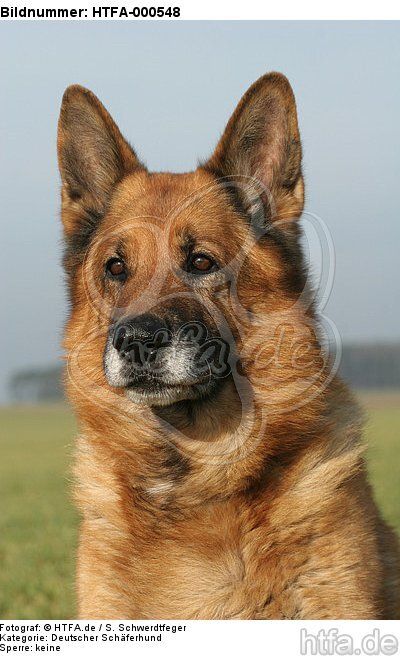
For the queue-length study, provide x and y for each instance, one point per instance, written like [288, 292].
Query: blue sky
[171, 87]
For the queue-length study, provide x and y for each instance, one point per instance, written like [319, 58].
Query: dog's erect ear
[262, 143]
[92, 154]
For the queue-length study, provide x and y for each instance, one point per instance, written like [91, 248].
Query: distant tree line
[362, 366]
[36, 384]
[371, 365]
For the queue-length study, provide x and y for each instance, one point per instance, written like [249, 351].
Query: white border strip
[200, 637]
[133, 10]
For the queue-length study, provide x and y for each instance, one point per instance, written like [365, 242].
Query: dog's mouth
[158, 393]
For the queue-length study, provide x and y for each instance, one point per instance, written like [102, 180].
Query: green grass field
[38, 525]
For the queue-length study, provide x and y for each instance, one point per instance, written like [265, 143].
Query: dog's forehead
[181, 199]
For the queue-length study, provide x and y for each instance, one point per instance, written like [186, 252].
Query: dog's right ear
[92, 155]
[261, 145]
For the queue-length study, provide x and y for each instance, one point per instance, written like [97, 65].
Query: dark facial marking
[78, 243]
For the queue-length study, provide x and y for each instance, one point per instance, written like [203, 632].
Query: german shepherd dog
[219, 468]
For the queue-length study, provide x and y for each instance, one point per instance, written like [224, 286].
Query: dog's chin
[166, 395]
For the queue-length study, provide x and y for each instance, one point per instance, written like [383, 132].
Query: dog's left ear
[262, 143]
[93, 157]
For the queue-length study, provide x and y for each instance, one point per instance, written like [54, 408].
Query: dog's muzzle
[159, 364]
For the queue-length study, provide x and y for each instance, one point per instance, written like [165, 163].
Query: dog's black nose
[145, 329]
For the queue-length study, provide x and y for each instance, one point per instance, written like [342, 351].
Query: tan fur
[258, 507]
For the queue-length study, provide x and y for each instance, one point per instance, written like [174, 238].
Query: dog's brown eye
[200, 263]
[115, 268]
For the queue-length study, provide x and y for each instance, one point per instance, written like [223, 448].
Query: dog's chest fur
[276, 555]
[207, 565]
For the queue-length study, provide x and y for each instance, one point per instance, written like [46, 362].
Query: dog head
[171, 274]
